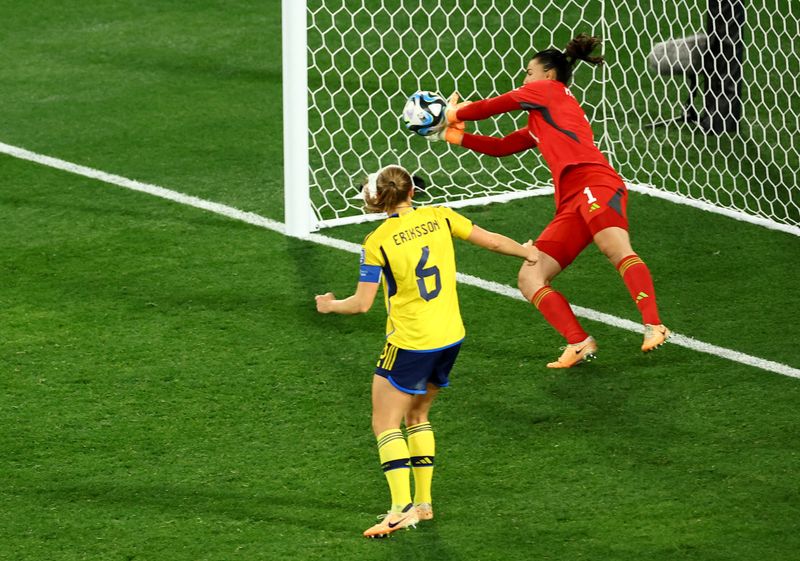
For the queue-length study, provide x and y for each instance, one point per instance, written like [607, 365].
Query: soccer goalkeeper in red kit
[590, 196]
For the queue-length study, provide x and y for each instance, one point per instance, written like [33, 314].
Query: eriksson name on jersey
[416, 232]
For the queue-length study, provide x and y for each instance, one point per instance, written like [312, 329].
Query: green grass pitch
[170, 394]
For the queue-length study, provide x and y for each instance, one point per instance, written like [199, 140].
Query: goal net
[362, 58]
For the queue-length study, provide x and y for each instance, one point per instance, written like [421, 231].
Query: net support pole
[297, 209]
[722, 66]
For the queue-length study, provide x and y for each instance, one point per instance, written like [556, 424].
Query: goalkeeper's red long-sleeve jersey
[556, 125]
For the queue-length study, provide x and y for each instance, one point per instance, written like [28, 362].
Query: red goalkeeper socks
[637, 278]
[555, 309]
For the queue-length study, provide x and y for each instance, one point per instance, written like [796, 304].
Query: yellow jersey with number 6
[413, 255]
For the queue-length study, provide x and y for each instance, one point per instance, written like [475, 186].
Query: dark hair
[392, 187]
[580, 48]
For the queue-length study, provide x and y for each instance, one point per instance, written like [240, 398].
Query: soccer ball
[424, 112]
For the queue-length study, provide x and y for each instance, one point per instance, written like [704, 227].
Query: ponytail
[387, 188]
[580, 48]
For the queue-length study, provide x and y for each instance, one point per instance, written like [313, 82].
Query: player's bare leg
[533, 277]
[615, 244]
[534, 283]
[389, 405]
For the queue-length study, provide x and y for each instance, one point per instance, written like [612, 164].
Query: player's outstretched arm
[517, 141]
[479, 110]
[358, 303]
[453, 129]
[502, 244]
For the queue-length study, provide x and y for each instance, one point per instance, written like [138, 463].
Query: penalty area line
[275, 226]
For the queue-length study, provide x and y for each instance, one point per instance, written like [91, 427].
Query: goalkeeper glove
[452, 108]
[454, 134]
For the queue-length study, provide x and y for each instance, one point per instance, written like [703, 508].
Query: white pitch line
[614, 321]
[217, 208]
[490, 286]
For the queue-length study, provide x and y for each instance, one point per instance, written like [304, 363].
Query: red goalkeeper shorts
[579, 218]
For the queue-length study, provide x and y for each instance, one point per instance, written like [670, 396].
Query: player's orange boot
[654, 336]
[575, 354]
[393, 521]
[424, 511]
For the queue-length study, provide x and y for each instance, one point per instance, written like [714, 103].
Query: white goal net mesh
[366, 56]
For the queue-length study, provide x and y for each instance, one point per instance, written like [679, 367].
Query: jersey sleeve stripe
[391, 285]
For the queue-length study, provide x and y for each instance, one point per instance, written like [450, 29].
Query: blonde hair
[392, 187]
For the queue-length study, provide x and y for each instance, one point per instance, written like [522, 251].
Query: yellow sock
[393, 452]
[422, 448]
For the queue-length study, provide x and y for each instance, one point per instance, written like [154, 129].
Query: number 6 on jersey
[423, 273]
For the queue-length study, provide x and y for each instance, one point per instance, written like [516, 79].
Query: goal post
[349, 66]
[298, 214]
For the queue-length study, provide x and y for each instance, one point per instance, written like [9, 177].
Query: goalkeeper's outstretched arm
[483, 109]
[454, 130]
[517, 141]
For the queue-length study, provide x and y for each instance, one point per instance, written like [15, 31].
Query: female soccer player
[590, 197]
[412, 253]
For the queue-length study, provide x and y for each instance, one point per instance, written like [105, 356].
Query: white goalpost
[349, 65]
[299, 216]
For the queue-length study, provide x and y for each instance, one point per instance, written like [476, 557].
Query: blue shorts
[412, 371]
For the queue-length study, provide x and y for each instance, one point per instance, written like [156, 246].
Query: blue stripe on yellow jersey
[415, 253]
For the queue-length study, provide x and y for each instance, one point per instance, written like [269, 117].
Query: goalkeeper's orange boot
[576, 354]
[424, 511]
[654, 336]
[393, 521]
